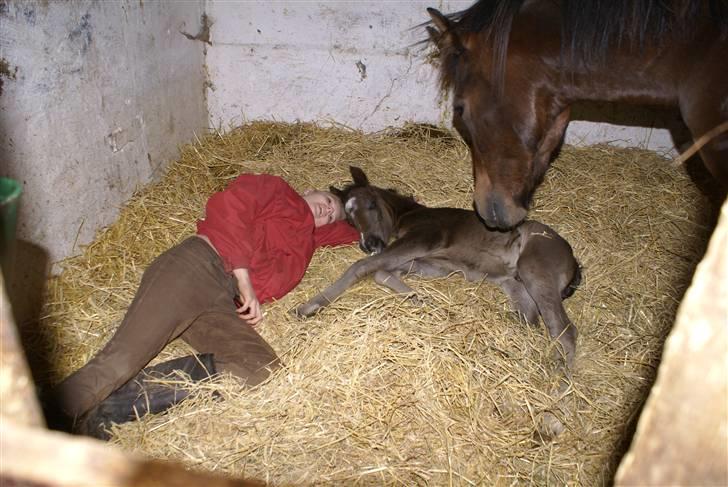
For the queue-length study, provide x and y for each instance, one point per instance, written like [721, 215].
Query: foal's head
[372, 210]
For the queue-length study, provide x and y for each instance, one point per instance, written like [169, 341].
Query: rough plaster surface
[96, 98]
[102, 95]
[355, 63]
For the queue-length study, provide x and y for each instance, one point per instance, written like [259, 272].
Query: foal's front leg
[393, 257]
[357, 271]
[393, 281]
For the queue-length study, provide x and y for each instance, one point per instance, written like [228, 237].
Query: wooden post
[682, 434]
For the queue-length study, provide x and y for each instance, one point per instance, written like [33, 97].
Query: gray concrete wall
[355, 63]
[96, 98]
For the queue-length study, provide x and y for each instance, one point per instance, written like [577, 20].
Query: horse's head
[506, 109]
[367, 208]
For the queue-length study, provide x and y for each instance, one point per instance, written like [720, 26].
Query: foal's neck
[400, 205]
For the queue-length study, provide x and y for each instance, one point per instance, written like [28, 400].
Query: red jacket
[260, 223]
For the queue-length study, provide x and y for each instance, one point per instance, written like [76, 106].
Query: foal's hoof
[416, 300]
[305, 310]
[548, 429]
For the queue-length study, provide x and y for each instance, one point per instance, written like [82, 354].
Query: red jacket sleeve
[230, 216]
[337, 233]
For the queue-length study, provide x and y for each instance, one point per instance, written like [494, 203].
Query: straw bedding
[377, 390]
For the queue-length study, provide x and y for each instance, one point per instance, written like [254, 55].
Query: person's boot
[145, 394]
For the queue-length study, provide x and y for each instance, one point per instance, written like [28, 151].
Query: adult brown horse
[516, 66]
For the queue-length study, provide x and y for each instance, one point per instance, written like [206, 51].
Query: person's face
[326, 207]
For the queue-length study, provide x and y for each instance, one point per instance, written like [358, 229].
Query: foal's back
[459, 241]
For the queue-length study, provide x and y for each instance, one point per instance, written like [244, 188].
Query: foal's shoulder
[535, 227]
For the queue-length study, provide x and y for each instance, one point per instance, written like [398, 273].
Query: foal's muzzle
[371, 244]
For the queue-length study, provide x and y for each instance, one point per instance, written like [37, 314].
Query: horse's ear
[442, 35]
[439, 20]
[360, 179]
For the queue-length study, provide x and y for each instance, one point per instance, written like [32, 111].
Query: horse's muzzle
[371, 244]
[500, 214]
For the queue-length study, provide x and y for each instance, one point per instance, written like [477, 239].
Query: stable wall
[359, 64]
[96, 98]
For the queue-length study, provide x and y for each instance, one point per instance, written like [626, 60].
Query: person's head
[325, 206]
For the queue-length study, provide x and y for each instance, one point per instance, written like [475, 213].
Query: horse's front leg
[357, 271]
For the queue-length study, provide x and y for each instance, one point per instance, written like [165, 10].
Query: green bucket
[10, 191]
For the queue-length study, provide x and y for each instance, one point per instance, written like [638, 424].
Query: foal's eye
[371, 205]
[458, 110]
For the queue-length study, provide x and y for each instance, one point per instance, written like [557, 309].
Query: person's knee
[252, 373]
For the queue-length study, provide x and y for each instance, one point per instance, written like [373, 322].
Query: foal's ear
[442, 35]
[337, 192]
[360, 179]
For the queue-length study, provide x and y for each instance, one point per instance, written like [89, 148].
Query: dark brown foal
[532, 263]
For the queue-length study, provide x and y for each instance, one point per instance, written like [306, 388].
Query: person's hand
[249, 309]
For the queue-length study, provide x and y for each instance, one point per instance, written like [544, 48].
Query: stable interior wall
[363, 65]
[95, 98]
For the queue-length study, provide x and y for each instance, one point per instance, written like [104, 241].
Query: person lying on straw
[254, 245]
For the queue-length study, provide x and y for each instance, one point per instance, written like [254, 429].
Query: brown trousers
[184, 293]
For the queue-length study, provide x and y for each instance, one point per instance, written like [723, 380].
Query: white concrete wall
[349, 62]
[289, 60]
[96, 98]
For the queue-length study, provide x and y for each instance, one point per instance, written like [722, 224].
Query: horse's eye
[458, 110]
[371, 205]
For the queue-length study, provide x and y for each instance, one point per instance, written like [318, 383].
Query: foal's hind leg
[521, 300]
[545, 270]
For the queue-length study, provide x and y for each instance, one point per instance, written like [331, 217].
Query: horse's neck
[621, 81]
[647, 77]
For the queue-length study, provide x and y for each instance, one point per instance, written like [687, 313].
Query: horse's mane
[590, 28]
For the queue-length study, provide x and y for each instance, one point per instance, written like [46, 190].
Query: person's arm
[249, 310]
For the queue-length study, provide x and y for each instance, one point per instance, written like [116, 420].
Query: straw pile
[376, 389]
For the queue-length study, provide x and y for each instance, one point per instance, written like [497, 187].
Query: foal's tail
[574, 284]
